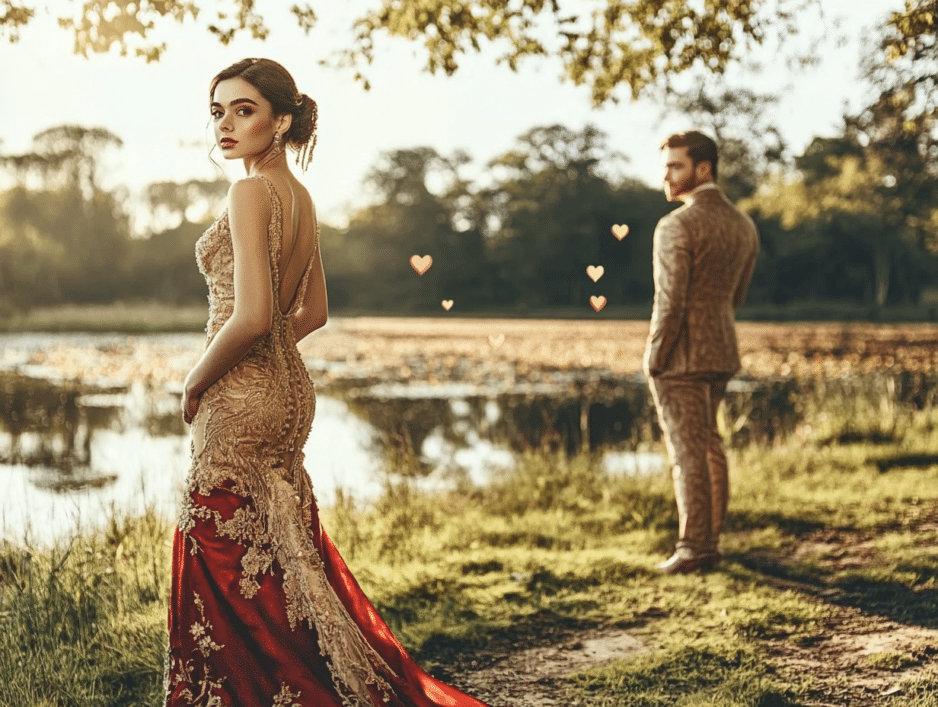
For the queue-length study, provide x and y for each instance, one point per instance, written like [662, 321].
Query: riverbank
[428, 350]
[540, 590]
[159, 317]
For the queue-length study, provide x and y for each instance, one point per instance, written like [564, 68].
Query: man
[704, 254]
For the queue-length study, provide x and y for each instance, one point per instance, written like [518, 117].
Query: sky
[160, 110]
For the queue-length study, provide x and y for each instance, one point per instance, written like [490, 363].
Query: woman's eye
[244, 111]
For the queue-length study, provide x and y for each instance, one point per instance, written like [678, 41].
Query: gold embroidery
[285, 698]
[252, 425]
[177, 672]
[200, 631]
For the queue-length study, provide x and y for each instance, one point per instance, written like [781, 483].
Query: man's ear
[705, 169]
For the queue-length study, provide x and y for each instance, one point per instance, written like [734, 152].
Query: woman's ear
[284, 123]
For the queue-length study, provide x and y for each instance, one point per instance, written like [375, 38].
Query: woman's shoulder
[252, 188]
[249, 195]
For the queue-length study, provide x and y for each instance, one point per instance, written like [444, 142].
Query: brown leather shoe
[683, 563]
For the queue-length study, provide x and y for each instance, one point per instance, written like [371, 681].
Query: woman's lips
[227, 142]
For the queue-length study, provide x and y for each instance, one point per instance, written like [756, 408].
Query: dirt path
[858, 655]
[871, 643]
[533, 677]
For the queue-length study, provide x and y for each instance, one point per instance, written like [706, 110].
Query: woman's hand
[190, 404]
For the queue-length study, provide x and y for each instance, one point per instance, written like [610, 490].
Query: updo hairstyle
[275, 84]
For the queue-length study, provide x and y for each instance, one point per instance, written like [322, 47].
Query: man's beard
[681, 188]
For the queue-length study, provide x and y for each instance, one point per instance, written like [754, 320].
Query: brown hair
[700, 147]
[275, 84]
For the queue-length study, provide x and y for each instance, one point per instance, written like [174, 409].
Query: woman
[264, 612]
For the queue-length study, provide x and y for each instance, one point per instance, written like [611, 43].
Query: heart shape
[421, 263]
[496, 341]
[595, 272]
[620, 232]
[598, 302]
[447, 303]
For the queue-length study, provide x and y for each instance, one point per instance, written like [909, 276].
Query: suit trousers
[687, 412]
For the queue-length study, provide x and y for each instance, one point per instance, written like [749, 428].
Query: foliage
[911, 52]
[749, 144]
[851, 221]
[549, 215]
[602, 43]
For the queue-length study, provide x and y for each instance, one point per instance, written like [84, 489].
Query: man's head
[690, 159]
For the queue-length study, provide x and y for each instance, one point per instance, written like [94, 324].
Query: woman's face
[243, 119]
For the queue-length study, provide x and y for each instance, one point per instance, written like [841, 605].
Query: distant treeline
[845, 222]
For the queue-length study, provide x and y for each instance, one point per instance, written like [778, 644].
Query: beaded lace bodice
[253, 423]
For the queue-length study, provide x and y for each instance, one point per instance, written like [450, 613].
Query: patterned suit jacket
[704, 254]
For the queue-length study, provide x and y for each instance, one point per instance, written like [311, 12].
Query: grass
[125, 317]
[159, 317]
[822, 539]
[83, 623]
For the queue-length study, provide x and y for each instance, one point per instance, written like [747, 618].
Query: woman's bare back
[299, 236]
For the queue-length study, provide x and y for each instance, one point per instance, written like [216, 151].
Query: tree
[865, 200]
[549, 216]
[900, 125]
[748, 143]
[842, 218]
[409, 219]
[177, 200]
[602, 44]
[64, 156]
[910, 49]
[58, 214]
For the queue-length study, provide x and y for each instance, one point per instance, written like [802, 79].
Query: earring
[278, 144]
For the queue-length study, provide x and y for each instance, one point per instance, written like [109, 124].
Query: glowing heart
[598, 302]
[496, 341]
[620, 232]
[447, 303]
[421, 263]
[595, 272]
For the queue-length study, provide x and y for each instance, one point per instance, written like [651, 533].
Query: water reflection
[589, 416]
[47, 425]
[71, 450]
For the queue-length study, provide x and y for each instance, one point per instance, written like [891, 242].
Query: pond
[72, 452]
[78, 444]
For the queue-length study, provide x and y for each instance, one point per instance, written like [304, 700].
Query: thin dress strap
[300, 293]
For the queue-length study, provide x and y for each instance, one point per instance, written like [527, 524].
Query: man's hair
[700, 147]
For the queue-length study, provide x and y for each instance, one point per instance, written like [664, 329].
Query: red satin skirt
[226, 650]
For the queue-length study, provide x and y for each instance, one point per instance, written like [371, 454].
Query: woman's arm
[249, 215]
[314, 310]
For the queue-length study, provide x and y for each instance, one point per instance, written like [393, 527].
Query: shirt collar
[702, 187]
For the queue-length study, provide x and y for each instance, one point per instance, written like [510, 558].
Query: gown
[263, 610]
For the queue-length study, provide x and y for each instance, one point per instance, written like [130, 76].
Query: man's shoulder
[716, 199]
[674, 218]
